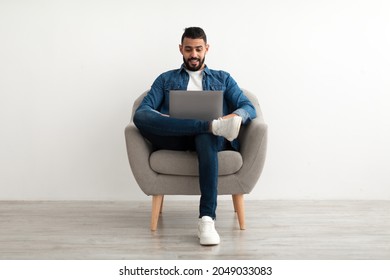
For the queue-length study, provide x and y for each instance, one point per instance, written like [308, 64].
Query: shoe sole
[237, 125]
[209, 242]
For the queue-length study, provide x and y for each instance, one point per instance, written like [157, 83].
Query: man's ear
[181, 49]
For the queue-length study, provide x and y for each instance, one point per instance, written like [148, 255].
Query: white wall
[70, 70]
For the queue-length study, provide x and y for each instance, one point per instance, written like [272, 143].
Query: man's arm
[154, 98]
[242, 106]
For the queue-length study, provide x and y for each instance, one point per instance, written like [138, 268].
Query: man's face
[194, 53]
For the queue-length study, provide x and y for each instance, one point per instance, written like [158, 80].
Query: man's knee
[144, 118]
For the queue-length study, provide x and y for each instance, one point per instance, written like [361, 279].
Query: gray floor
[276, 230]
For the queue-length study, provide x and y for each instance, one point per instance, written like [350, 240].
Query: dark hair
[194, 33]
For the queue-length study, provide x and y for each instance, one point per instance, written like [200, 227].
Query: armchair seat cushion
[185, 163]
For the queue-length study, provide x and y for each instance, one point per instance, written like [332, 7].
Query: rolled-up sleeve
[241, 105]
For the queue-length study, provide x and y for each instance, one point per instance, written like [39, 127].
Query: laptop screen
[202, 105]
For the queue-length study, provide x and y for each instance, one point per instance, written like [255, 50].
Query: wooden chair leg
[162, 203]
[234, 204]
[238, 202]
[156, 208]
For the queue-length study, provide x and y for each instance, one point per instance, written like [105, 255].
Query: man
[206, 138]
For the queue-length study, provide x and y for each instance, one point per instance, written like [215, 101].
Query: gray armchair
[166, 172]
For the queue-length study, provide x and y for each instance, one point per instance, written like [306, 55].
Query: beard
[192, 67]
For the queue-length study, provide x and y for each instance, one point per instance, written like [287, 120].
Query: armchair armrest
[253, 146]
[138, 152]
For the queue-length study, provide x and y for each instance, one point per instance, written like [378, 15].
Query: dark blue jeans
[177, 134]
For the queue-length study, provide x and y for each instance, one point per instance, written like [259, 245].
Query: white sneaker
[228, 128]
[206, 231]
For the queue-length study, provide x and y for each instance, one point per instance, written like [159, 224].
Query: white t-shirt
[195, 82]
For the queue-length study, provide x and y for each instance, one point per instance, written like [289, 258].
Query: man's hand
[229, 116]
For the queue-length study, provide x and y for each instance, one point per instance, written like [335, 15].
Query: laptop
[202, 105]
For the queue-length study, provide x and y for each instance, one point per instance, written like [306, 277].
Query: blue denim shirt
[234, 99]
